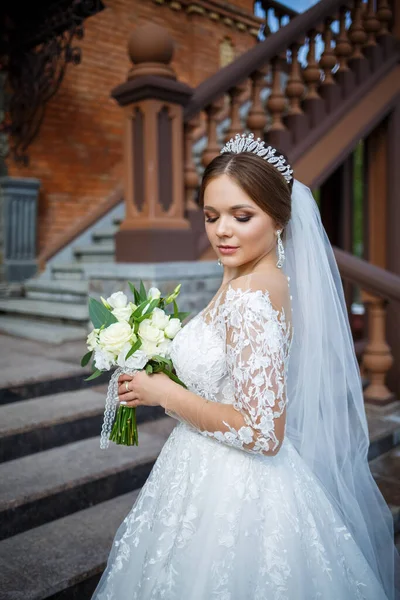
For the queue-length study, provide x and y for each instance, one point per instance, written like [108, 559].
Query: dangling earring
[219, 262]
[281, 251]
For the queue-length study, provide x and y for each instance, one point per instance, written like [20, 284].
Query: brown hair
[259, 179]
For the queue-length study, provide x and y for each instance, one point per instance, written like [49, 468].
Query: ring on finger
[127, 386]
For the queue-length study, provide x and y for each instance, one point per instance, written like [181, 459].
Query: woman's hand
[144, 389]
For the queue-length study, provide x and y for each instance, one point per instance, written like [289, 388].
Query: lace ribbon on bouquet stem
[112, 404]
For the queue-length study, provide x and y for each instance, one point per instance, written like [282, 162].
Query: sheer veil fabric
[326, 418]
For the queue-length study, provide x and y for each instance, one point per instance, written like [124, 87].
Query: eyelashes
[240, 219]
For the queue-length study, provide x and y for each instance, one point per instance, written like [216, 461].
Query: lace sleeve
[257, 338]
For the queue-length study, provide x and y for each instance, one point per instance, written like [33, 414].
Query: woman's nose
[223, 228]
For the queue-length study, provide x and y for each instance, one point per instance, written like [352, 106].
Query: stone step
[57, 290]
[59, 312]
[48, 485]
[40, 376]
[41, 331]
[95, 253]
[104, 236]
[70, 271]
[69, 554]
[41, 423]
[46, 422]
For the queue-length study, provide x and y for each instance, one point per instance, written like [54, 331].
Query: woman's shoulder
[272, 283]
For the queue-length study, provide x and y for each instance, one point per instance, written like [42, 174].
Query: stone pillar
[18, 208]
[155, 228]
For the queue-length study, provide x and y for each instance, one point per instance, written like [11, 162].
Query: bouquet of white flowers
[132, 337]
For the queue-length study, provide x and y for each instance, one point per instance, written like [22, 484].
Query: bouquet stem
[124, 430]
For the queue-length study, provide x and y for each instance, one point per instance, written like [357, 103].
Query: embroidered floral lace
[257, 339]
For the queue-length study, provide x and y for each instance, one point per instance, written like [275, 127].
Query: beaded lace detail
[256, 340]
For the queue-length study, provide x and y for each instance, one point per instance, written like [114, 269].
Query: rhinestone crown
[247, 143]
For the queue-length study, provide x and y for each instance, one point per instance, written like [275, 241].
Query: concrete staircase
[53, 306]
[62, 498]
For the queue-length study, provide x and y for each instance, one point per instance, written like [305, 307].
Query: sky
[300, 6]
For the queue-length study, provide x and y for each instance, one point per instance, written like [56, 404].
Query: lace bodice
[235, 352]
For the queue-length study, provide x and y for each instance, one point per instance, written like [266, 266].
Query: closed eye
[240, 219]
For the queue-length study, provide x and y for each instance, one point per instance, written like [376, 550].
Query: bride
[263, 490]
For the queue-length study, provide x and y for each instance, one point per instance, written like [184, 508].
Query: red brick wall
[77, 155]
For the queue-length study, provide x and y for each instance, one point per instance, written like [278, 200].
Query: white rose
[137, 360]
[153, 293]
[172, 328]
[150, 333]
[164, 348]
[93, 339]
[159, 319]
[117, 300]
[103, 359]
[123, 313]
[150, 348]
[115, 336]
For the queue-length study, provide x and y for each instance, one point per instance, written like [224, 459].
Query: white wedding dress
[233, 514]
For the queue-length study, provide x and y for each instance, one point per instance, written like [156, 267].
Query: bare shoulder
[273, 282]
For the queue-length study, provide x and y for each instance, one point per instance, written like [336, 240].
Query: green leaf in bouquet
[149, 310]
[86, 358]
[136, 297]
[149, 369]
[97, 373]
[162, 360]
[176, 310]
[143, 293]
[140, 309]
[99, 314]
[135, 347]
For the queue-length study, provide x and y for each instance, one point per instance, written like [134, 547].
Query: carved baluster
[191, 177]
[377, 358]
[384, 37]
[277, 134]
[329, 91]
[213, 148]
[257, 118]
[344, 75]
[295, 120]
[358, 36]
[328, 58]
[371, 24]
[235, 125]
[313, 104]
[372, 51]
[384, 14]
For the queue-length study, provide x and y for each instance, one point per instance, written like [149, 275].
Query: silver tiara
[243, 143]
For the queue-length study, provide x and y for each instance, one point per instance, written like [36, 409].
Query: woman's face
[233, 220]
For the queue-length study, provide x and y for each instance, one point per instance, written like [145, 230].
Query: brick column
[155, 228]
